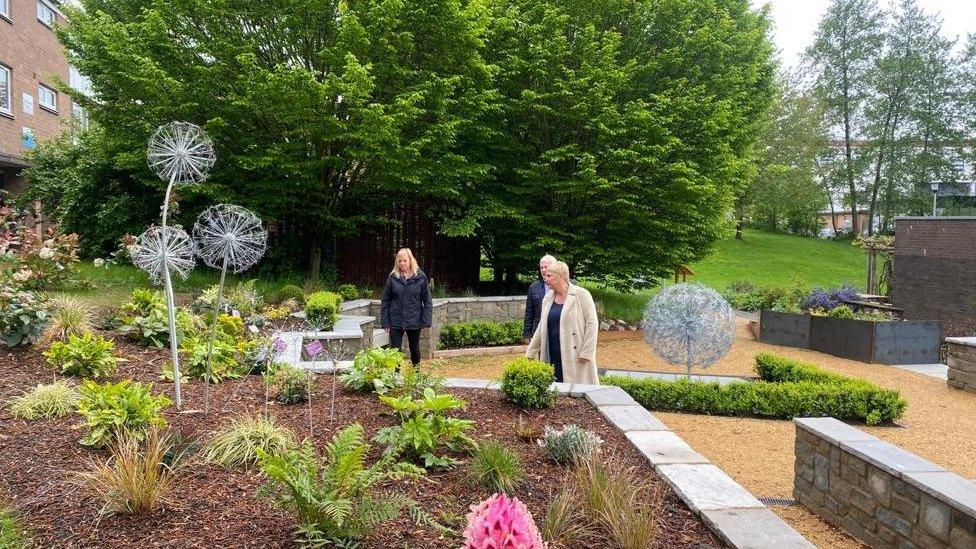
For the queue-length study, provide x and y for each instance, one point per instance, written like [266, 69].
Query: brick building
[31, 62]
[934, 274]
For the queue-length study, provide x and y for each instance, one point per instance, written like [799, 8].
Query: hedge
[481, 334]
[787, 389]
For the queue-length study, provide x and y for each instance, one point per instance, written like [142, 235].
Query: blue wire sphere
[689, 325]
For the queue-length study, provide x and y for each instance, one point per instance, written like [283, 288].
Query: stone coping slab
[970, 341]
[928, 477]
[731, 512]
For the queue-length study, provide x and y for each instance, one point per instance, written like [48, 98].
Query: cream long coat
[578, 326]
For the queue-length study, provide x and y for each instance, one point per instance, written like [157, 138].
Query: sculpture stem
[170, 299]
[213, 333]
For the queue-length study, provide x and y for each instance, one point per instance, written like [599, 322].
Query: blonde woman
[406, 303]
[566, 336]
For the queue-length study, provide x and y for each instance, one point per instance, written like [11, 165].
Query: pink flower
[501, 523]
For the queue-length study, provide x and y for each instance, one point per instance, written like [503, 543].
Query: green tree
[847, 43]
[323, 112]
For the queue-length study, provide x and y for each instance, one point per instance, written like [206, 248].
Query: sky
[796, 21]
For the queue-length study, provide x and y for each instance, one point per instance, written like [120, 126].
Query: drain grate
[781, 502]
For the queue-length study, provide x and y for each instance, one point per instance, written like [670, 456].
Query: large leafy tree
[624, 130]
[323, 111]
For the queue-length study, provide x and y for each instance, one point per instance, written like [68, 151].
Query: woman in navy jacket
[406, 303]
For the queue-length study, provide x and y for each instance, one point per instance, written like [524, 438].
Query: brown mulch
[217, 507]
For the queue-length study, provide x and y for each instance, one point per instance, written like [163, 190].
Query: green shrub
[46, 401]
[496, 468]
[481, 334]
[23, 316]
[291, 384]
[336, 497]
[322, 310]
[244, 297]
[374, 370]
[142, 303]
[417, 380]
[230, 326]
[112, 409]
[224, 362]
[145, 319]
[291, 291]
[424, 428]
[86, 356]
[527, 383]
[788, 389]
[238, 443]
[569, 445]
[842, 311]
[348, 292]
[68, 316]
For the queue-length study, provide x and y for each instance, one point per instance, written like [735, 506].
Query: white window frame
[43, 8]
[5, 9]
[9, 110]
[79, 116]
[41, 89]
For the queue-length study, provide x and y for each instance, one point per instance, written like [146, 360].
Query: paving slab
[705, 487]
[632, 418]
[465, 383]
[938, 371]
[754, 529]
[833, 429]
[562, 388]
[580, 389]
[943, 485]
[891, 458]
[664, 448]
[609, 396]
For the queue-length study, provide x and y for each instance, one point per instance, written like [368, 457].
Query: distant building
[31, 61]
[842, 222]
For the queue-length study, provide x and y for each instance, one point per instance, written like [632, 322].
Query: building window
[45, 13]
[6, 94]
[5, 8]
[47, 98]
[80, 117]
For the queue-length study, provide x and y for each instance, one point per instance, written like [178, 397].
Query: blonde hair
[547, 259]
[414, 267]
[559, 269]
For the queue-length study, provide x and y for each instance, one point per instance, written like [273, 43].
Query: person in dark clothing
[533, 299]
[406, 303]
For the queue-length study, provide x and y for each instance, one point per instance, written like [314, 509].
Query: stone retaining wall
[878, 492]
[962, 363]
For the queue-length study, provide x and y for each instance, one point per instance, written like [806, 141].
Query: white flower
[46, 253]
[99, 262]
[22, 275]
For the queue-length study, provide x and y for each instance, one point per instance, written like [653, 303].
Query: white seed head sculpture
[689, 325]
[229, 237]
[181, 153]
[160, 248]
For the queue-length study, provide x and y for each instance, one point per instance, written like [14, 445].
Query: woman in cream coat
[566, 336]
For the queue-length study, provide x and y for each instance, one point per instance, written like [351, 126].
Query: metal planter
[788, 329]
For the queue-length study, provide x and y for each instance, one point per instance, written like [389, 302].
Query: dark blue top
[533, 307]
[555, 354]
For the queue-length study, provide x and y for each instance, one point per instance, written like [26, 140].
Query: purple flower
[314, 348]
[279, 345]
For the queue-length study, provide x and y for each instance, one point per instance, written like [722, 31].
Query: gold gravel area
[938, 424]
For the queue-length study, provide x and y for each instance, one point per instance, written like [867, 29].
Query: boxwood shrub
[526, 383]
[481, 334]
[786, 389]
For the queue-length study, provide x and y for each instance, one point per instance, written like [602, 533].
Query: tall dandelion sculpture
[179, 153]
[689, 325]
[227, 237]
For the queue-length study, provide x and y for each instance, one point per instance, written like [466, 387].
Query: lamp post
[935, 195]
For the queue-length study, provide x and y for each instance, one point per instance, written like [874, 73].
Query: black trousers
[413, 339]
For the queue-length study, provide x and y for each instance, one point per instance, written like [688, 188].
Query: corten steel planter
[894, 342]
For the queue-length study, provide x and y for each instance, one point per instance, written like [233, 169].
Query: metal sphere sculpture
[689, 325]
[159, 249]
[227, 237]
[179, 153]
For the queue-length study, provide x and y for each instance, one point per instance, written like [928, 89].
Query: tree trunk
[314, 258]
[849, 156]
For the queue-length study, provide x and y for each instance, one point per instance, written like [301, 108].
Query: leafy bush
[501, 522]
[37, 261]
[417, 380]
[291, 291]
[374, 370]
[348, 292]
[243, 439]
[23, 316]
[86, 356]
[424, 428]
[527, 383]
[46, 401]
[788, 389]
[496, 468]
[745, 296]
[842, 311]
[569, 445]
[142, 303]
[145, 319]
[224, 363]
[136, 480]
[291, 384]
[335, 495]
[69, 316]
[230, 326]
[322, 310]
[244, 297]
[114, 409]
[481, 334]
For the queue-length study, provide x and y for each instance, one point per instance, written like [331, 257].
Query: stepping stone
[754, 529]
[704, 487]
[580, 389]
[664, 448]
[609, 396]
[632, 418]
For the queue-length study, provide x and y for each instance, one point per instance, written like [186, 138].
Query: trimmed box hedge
[481, 334]
[787, 388]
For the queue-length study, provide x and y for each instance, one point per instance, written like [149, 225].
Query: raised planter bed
[895, 342]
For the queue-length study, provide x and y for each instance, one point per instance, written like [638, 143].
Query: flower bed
[217, 506]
